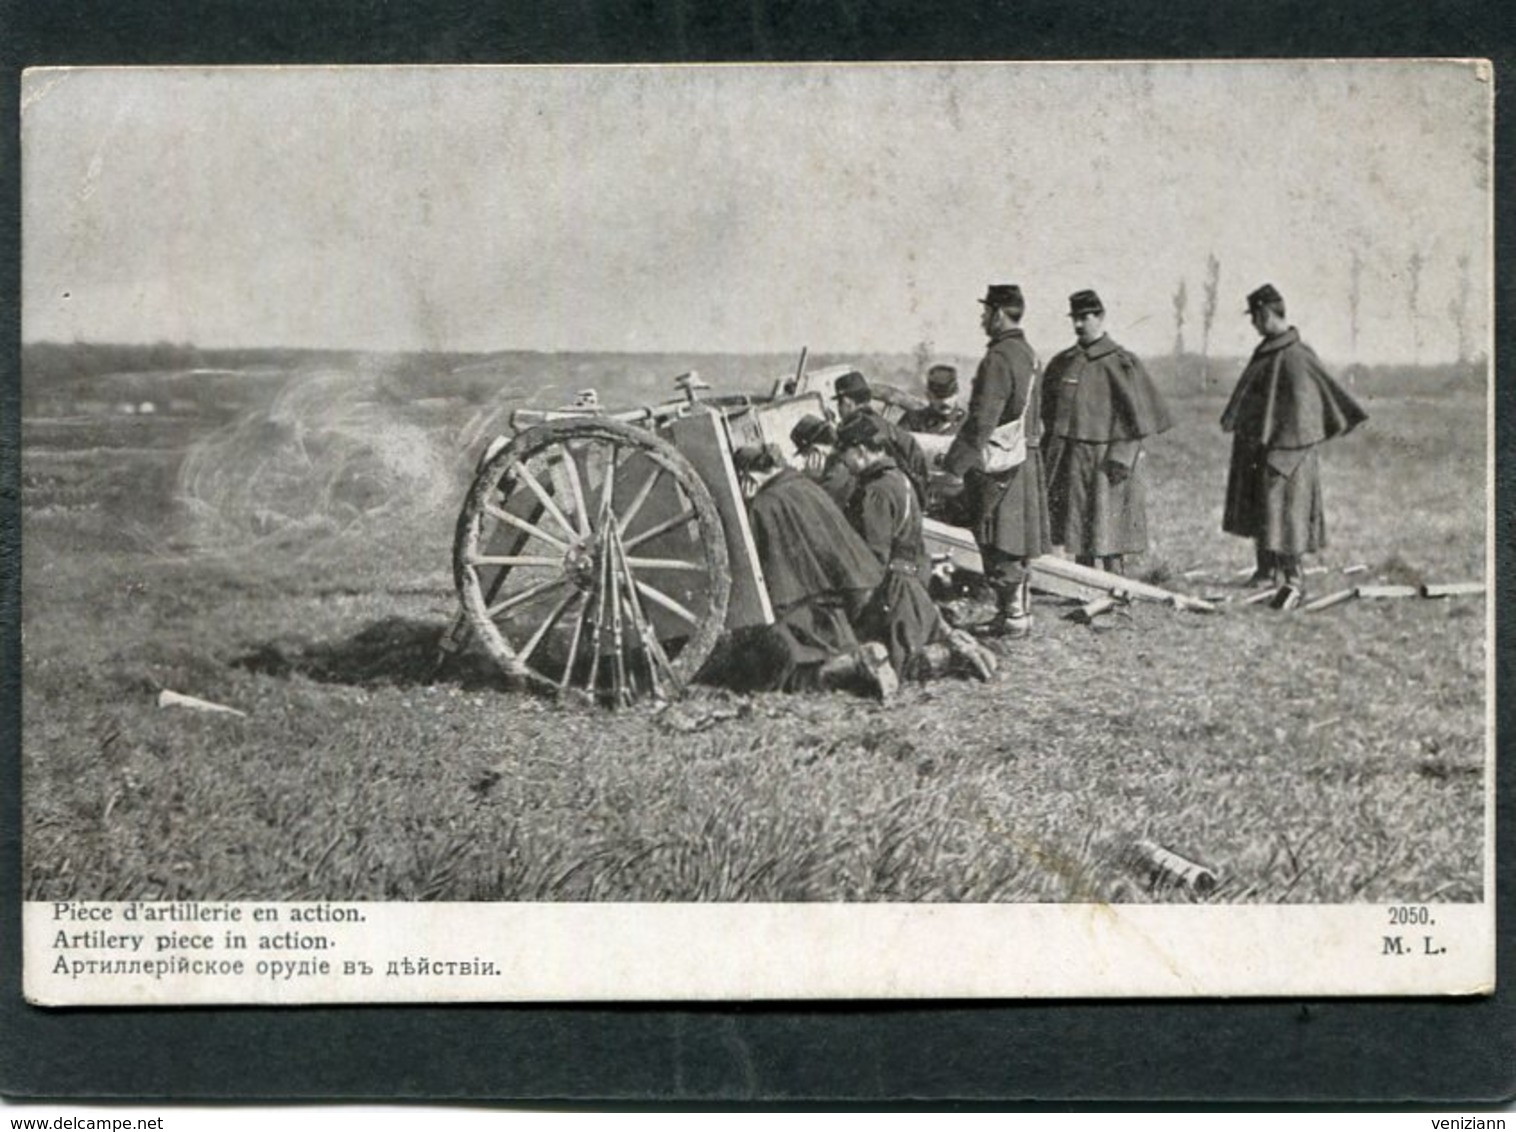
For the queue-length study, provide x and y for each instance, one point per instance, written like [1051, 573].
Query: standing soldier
[1008, 507]
[1283, 407]
[1098, 404]
[941, 415]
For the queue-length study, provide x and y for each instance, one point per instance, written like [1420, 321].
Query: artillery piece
[605, 553]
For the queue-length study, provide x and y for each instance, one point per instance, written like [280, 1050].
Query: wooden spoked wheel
[590, 557]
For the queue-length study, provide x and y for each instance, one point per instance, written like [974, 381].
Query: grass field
[294, 564]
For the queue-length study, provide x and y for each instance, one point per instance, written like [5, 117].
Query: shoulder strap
[908, 513]
[1031, 390]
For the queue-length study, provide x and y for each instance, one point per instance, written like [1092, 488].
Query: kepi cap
[861, 428]
[1003, 295]
[852, 384]
[757, 457]
[811, 429]
[942, 381]
[1085, 302]
[1264, 294]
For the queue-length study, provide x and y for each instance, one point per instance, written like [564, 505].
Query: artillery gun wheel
[590, 558]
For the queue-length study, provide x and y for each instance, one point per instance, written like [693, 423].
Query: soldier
[854, 396]
[941, 415]
[819, 575]
[1284, 406]
[1008, 508]
[886, 513]
[1098, 404]
[815, 442]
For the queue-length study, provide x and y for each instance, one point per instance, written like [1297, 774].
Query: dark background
[1316, 1052]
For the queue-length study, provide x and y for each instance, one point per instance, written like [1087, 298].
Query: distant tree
[1181, 301]
[1458, 310]
[1413, 278]
[1355, 299]
[923, 356]
[1208, 315]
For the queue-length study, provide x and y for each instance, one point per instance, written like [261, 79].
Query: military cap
[861, 429]
[1085, 302]
[1264, 296]
[757, 457]
[942, 381]
[1003, 295]
[811, 429]
[854, 385]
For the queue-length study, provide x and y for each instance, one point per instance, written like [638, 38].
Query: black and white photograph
[757, 531]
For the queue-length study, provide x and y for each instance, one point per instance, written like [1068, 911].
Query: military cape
[805, 545]
[1285, 404]
[1101, 393]
[1287, 399]
[1098, 404]
[819, 576]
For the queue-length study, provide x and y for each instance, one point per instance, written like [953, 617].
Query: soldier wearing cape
[1284, 407]
[1098, 405]
[820, 576]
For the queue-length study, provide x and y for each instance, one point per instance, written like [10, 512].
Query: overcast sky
[848, 208]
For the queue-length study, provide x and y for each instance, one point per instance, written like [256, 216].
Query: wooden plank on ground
[955, 542]
[1388, 591]
[959, 547]
[1329, 600]
[1110, 583]
[1055, 586]
[1452, 589]
[1053, 575]
[1093, 609]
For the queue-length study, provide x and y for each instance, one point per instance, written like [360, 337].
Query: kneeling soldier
[815, 442]
[885, 511]
[819, 576]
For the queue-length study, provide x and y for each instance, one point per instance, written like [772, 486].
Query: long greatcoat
[886, 513]
[1284, 406]
[1097, 406]
[819, 576]
[1008, 511]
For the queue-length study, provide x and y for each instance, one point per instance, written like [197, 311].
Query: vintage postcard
[938, 530]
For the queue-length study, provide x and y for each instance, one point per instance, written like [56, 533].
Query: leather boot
[1292, 592]
[929, 662]
[1016, 610]
[1264, 575]
[869, 668]
[840, 673]
[1014, 620]
[873, 664]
